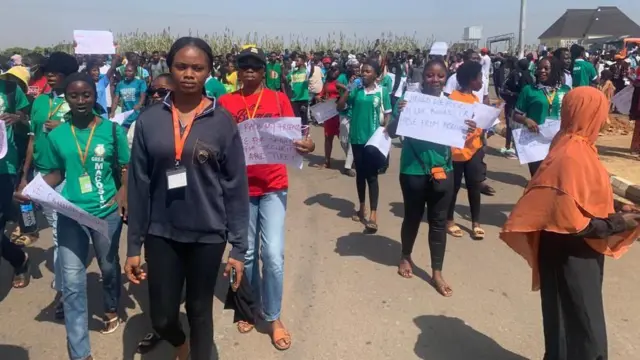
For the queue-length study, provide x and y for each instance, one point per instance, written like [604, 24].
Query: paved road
[343, 299]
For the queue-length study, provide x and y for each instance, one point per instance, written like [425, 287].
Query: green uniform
[273, 75]
[45, 107]
[214, 88]
[418, 156]
[534, 103]
[90, 187]
[367, 108]
[532, 68]
[17, 102]
[387, 83]
[584, 73]
[299, 84]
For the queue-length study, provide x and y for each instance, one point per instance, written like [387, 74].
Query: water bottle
[28, 222]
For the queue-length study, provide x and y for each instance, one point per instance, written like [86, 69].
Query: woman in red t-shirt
[268, 187]
[331, 126]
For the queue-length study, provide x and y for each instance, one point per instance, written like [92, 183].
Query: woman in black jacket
[518, 78]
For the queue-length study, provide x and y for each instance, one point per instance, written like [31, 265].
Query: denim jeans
[52, 219]
[266, 243]
[73, 242]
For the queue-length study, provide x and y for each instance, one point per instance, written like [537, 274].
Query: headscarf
[570, 188]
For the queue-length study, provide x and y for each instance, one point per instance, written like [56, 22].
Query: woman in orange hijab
[563, 226]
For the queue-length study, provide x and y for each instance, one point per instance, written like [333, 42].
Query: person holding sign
[370, 108]
[130, 94]
[426, 178]
[564, 225]
[188, 198]
[542, 101]
[331, 126]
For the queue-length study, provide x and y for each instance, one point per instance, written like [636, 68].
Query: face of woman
[81, 98]
[368, 75]
[94, 72]
[543, 71]
[190, 69]
[435, 77]
[53, 79]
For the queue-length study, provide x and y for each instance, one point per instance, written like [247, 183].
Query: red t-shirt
[263, 179]
[330, 90]
[39, 86]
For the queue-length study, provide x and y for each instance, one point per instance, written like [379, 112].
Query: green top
[299, 84]
[419, 155]
[534, 104]
[9, 164]
[584, 73]
[273, 74]
[342, 79]
[214, 88]
[95, 193]
[45, 107]
[367, 108]
[532, 68]
[387, 83]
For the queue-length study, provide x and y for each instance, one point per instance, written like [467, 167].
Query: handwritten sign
[435, 119]
[38, 191]
[485, 116]
[4, 145]
[622, 100]
[270, 141]
[93, 42]
[324, 111]
[534, 147]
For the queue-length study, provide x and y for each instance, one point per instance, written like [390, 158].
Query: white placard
[622, 100]
[3, 140]
[121, 117]
[94, 42]
[324, 111]
[534, 147]
[38, 191]
[435, 119]
[381, 141]
[485, 116]
[270, 141]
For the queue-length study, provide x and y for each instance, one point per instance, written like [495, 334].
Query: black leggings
[169, 264]
[508, 114]
[473, 171]
[418, 191]
[300, 110]
[365, 175]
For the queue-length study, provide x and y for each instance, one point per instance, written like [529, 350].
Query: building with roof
[579, 25]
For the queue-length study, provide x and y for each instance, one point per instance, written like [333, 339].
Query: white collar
[375, 90]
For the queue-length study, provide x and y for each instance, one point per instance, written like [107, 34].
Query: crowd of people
[174, 172]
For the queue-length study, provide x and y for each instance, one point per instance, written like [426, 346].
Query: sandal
[25, 240]
[405, 268]
[278, 335]
[442, 288]
[359, 216]
[371, 227]
[148, 343]
[455, 231]
[349, 172]
[110, 325]
[244, 327]
[22, 275]
[478, 233]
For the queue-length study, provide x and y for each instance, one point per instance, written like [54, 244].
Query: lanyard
[83, 157]
[179, 140]
[52, 112]
[255, 109]
[550, 97]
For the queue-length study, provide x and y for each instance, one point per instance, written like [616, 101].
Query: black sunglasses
[162, 92]
[250, 66]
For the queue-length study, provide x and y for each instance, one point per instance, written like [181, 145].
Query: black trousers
[418, 191]
[474, 172]
[509, 109]
[300, 110]
[169, 265]
[8, 250]
[365, 175]
[571, 275]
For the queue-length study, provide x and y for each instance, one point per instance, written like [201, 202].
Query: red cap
[326, 60]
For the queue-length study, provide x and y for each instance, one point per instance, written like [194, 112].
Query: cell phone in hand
[232, 277]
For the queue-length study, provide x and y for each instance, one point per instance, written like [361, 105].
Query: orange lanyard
[83, 157]
[56, 109]
[255, 109]
[179, 140]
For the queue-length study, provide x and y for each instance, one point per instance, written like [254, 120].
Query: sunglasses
[254, 67]
[162, 92]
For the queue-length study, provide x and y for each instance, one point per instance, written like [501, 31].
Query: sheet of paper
[485, 115]
[324, 111]
[93, 42]
[270, 141]
[381, 140]
[622, 100]
[400, 90]
[435, 119]
[534, 147]
[121, 117]
[3, 140]
[38, 191]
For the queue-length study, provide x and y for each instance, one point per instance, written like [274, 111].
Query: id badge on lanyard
[177, 177]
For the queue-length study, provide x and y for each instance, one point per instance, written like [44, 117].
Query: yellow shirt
[233, 79]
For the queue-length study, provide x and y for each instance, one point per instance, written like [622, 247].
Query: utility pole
[523, 6]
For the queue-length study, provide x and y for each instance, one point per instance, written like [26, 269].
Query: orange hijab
[571, 186]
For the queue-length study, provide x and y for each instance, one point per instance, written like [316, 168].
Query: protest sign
[534, 147]
[324, 111]
[401, 86]
[485, 116]
[435, 119]
[270, 141]
[93, 42]
[622, 100]
[381, 141]
[4, 144]
[38, 191]
[121, 117]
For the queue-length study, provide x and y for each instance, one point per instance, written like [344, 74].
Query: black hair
[374, 64]
[468, 72]
[33, 59]
[93, 62]
[559, 51]
[466, 56]
[61, 63]
[165, 76]
[606, 75]
[433, 62]
[556, 73]
[190, 41]
[576, 51]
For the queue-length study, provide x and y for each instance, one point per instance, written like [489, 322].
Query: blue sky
[45, 22]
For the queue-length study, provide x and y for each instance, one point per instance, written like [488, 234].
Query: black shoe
[150, 341]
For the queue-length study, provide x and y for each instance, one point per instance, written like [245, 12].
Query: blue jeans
[52, 219]
[73, 242]
[266, 242]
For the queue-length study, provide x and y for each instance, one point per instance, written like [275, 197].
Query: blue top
[102, 87]
[130, 93]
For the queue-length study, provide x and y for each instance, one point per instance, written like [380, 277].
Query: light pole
[523, 6]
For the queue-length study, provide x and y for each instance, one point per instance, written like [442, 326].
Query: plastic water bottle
[28, 222]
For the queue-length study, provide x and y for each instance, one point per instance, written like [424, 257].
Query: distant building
[579, 25]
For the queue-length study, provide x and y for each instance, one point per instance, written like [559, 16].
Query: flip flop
[108, 329]
[371, 227]
[455, 231]
[278, 335]
[22, 275]
[478, 233]
[359, 216]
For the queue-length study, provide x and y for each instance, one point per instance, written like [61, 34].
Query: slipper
[148, 343]
[478, 233]
[359, 216]
[22, 275]
[455, 231]
[371, 227]
[110, 325]
[278, 335]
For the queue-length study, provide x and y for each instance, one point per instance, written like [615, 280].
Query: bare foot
[441, 286]
[405, 268]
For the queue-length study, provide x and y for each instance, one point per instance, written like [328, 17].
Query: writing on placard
[533, 147]
[4, 145]
[270, 140]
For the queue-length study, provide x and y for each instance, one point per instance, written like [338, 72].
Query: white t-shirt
[452, 85]
[485, 61]
[103, 71]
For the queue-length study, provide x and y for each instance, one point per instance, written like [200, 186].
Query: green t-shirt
[367, 108]
[584, 73]
[387, 83]
[45, 107]
[299, 84]
[273, 74]
[96, 198]
[533, 102]
[532, 68]
[214, 88]
[9, 164]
